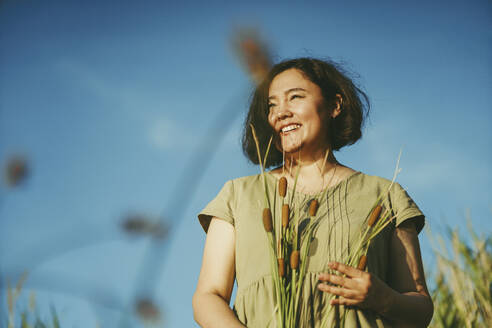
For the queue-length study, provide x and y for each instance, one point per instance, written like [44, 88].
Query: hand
[357, 288]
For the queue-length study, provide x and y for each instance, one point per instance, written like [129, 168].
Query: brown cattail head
[281, 267]
[137, 224]
[267, 219]
[282, 186]
[253, 53]
[285, 215]
[313, 207]
[147, 310]
[16, 171]
[362, 263]
[374, 215]
[294, 260]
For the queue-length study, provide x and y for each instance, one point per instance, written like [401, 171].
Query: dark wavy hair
[332, 79]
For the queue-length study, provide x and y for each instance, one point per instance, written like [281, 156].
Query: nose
[283, 112]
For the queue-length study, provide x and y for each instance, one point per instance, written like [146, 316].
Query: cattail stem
[267, 219]
[313, 207]
[294, 260]
[375, 215]
[285, 215]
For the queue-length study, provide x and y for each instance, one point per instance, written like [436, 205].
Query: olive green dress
[342, 212]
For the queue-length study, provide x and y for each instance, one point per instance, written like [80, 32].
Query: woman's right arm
[213, 292]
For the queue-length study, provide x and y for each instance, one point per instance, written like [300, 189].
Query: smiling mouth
[289, 128]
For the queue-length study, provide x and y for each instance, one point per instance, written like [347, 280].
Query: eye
[270, 105]
[294, 96]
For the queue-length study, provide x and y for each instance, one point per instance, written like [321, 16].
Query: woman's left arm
[404, 300]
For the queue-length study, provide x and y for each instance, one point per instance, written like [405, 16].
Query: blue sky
[108, 101]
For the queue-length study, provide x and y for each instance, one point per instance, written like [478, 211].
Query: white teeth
[290, 127]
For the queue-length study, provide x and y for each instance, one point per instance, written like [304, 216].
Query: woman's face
[297, 113]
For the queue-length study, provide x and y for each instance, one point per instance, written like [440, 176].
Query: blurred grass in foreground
[463, 279]
[29, 317]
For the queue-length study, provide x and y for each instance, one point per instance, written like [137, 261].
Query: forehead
[290, 79]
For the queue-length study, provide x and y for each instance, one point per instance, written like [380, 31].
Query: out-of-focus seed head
[148, 311]
[32, 301]
[16, 171]
[294, 260]
[160, 231]
[20, 282]
[282, 186]
[10, 298]
[285, 215]
[313, 207]
[267, 220]
[138, 224]
[374, 215]
[252, 52]
[135, 223]
[362, 263]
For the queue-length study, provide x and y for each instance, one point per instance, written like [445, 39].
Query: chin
[294, 150]
[289, 146]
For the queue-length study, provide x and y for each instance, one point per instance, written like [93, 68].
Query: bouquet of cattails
[289, 252]
[377, 219]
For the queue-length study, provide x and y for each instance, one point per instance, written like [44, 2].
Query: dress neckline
[297, 192]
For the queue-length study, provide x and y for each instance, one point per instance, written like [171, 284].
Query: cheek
[313, 118]
[271, 121]
[321, 117]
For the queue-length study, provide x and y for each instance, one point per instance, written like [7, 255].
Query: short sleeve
[221, 207]
[405, 208]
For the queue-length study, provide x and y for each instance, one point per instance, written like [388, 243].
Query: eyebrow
[289, 91]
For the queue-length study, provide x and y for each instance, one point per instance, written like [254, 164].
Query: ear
[338, 106]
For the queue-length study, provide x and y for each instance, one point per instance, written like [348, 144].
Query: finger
[344, 292]
[337, 280]
[348, 270]
[344, 301]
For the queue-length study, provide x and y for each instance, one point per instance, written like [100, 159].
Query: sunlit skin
[404, 299]
[295, 101]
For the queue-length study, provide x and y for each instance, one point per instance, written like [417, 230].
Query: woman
[311, 107]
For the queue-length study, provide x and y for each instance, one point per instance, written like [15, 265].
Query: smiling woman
[337, 90]
[296, 113]
[309, 108]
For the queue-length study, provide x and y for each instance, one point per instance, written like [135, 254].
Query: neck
[315, 165]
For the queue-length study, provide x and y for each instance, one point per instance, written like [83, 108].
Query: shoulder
[363, 185]
[249, 182]
[234, 188]
[375, 184]
[246, 179]
[363, 182]
[394, 196]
